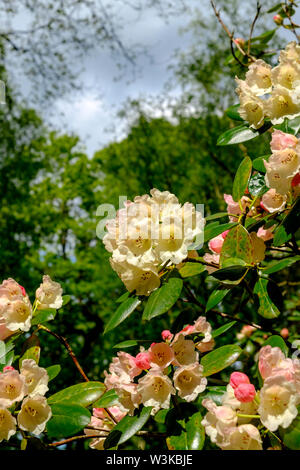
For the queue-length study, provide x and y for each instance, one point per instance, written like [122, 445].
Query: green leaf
[288, 226]
[267, 308]
[241, 179]
[66, 300]
[258, 163]
[233, 112]
[231, 274]
[218, 215]
[237, 244]
[265, 37]
[161, 300]
[214, 229]
[31, 353]
[53, 371]
[190, 438]
[291, 435]
[238, 134]
[277, 341]
[122, 312]
[126, 344]
[215, 393]
[257, 185]
[220, 358]
[83, 394]
[44, 316]
[67, 420]
[223, 329]
[123, 297]
[282, 264]
[108, 399]
[275, 8]
[127, 428]
[289, 126]
[215, 297]
[191, 269]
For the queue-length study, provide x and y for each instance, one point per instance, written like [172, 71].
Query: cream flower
[12, 388]
[258, 78]
[243, 437]
[189, 381]
[286, 162]
[107, 425]
[287, 75]
[184, 351]
[4, 331]
[155, 389]
[129, 397]
[34, 414]
[218, 421]
[36, 378]
[278, 402]
[282, 104]
[281, 140]
[273, 201]
[142, 281]
[124, 367]
[269, 359]
[49, 294]
[7, 424]
[17, 315]
[252, 108]
[291, 53]
[161, 355]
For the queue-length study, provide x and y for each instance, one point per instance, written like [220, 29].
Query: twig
[65, 343]
[194, 300]
[231, 37]
[293, 25]
[99, 436]
[258, 8]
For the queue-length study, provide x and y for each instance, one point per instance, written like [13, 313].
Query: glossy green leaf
[191, 269]
[237, 135]
[122, 312]
[258, 163]
[288, 226]
[161, 300]
[67, 420]
[123, 297]
[127, 428]
[214, 229]
[53, 371]
[241, 179]
[231, 274]
[126, 344]
[220, 358]
[190, 438]
[218, 215]
[277, 341]
[44, 316]
[83, 394]
[257, 185]
[237, 244]
[267, 308]
[282, 264]
[264, 37]
[223, 329]
[215, 297]
[66, 300]
[109, 398]
[233, 112]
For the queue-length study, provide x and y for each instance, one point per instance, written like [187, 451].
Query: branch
[231, 37]
[99, 436]
[258, 8]
[293, 25]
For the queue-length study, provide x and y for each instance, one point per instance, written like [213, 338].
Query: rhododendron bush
[190, 388]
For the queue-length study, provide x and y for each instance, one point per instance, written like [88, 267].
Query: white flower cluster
[16, 311]
[29, 387]
[272, 93]
[157, 384]
[147, 233]
[234, 424]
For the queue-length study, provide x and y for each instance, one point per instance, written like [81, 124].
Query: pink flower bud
[216, 244]
[245, 392]
[284, 333]
[188, 329]
[240, 42]
[8, 368]
[278, 19]
[142, 360]
[166, 335]
[238, 378]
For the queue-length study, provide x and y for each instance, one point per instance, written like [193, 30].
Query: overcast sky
[91, 114]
